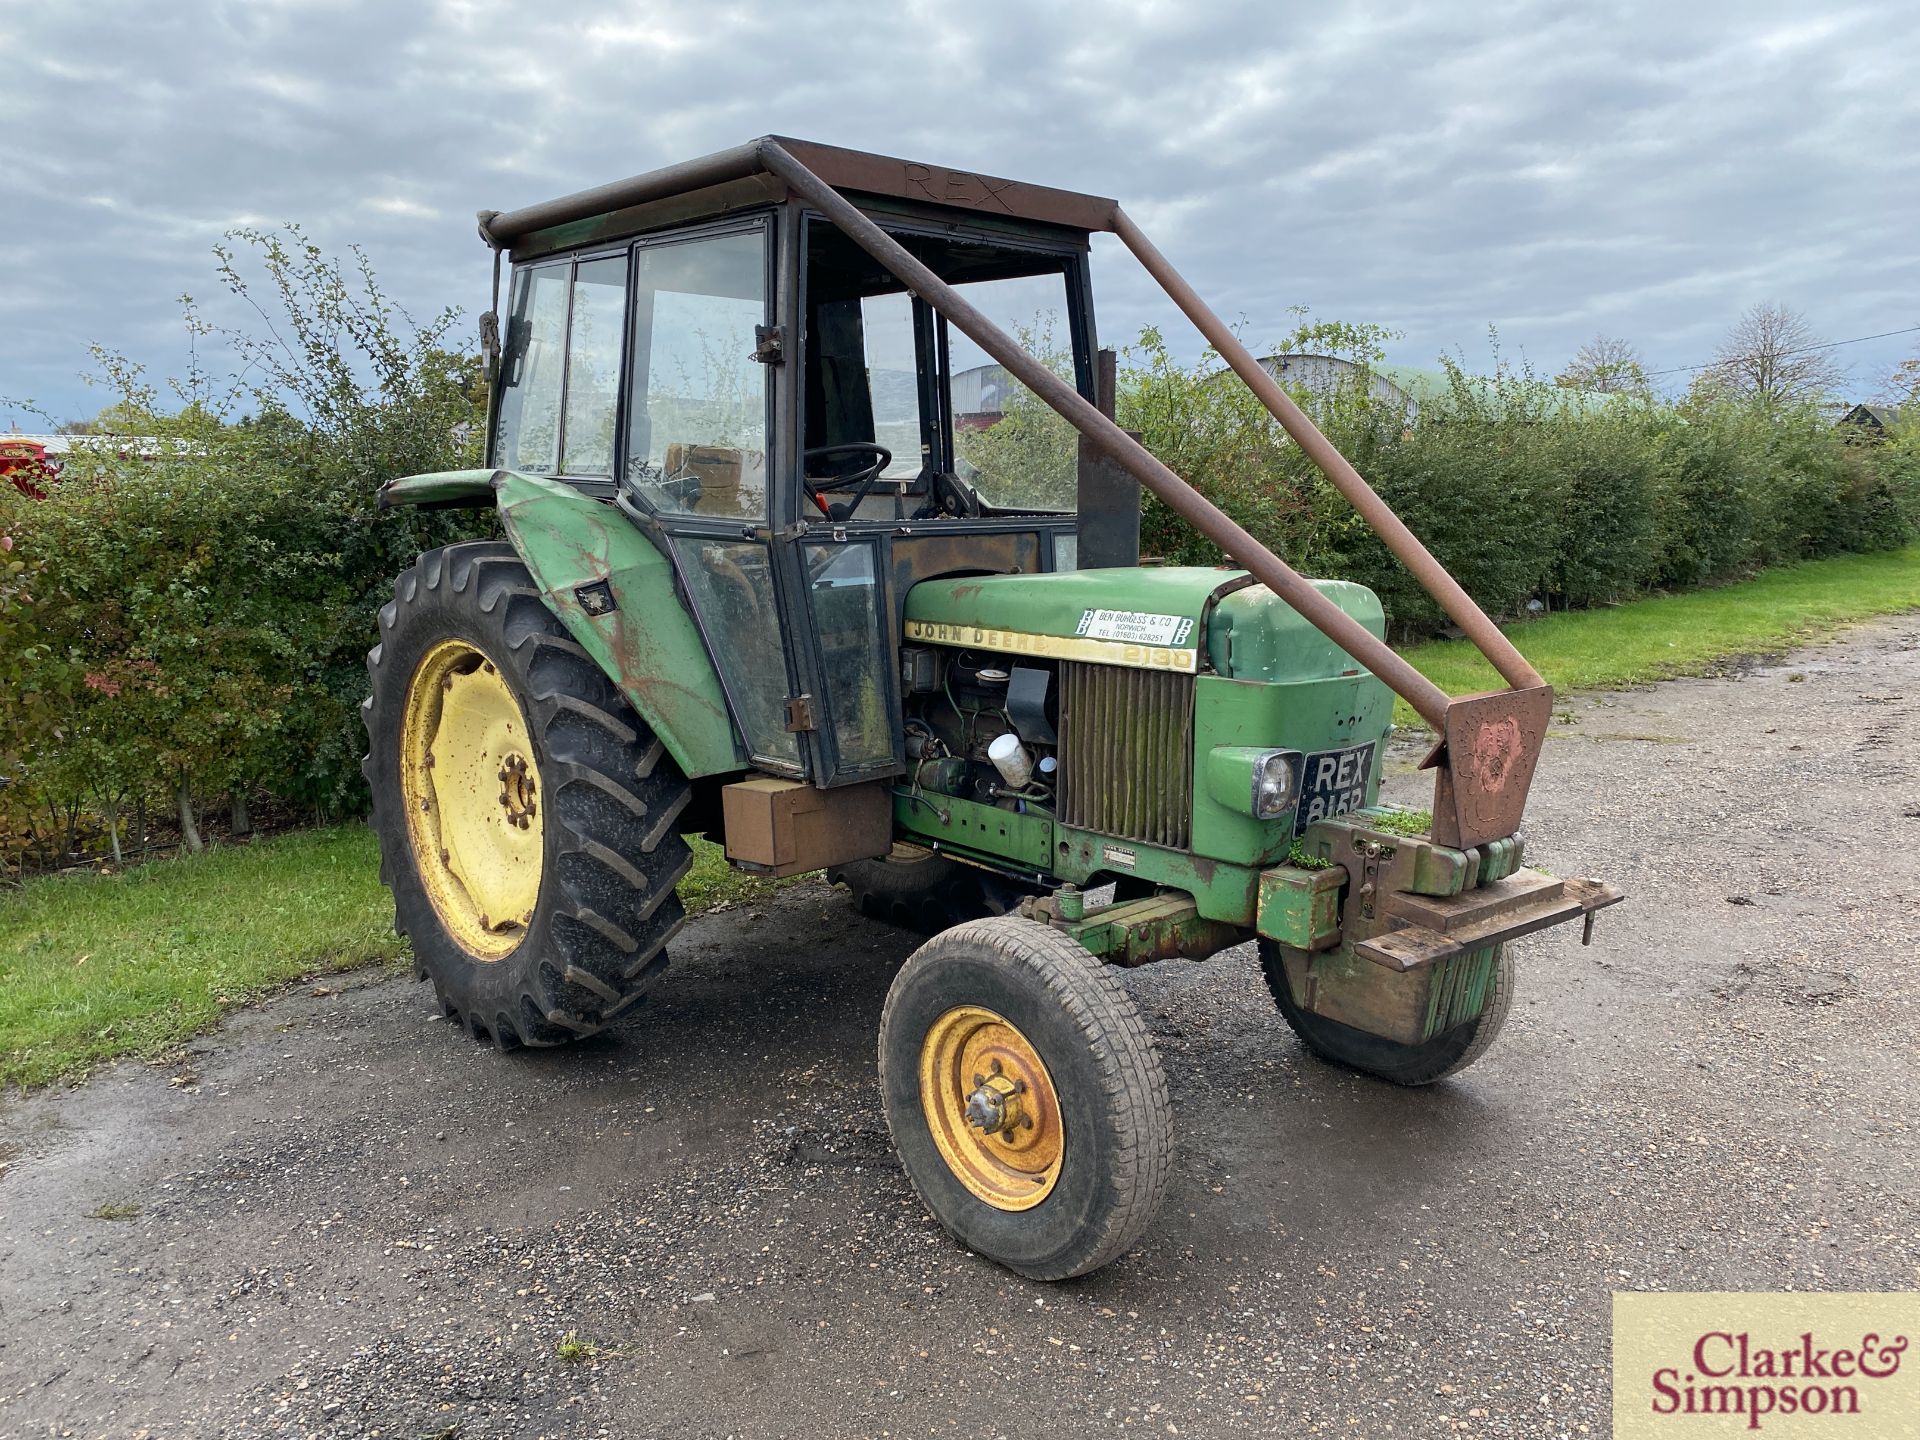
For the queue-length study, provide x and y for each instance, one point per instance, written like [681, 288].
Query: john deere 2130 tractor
[807, 555]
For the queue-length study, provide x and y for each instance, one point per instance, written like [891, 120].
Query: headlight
[1262, 783]
[1276, 784]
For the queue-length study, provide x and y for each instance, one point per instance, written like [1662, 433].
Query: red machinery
[24, 463]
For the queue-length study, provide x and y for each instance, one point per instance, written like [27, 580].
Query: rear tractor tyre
[1445, 1054]
[1025, 1097]
[918, 890]
[525, 813]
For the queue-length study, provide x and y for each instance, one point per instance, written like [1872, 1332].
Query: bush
[1611, 522]
[203, 609]
[1532, 498]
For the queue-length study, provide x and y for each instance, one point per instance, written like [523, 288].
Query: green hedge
[197, 602]
[1533, 499]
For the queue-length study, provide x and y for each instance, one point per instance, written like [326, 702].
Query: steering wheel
[860, 481]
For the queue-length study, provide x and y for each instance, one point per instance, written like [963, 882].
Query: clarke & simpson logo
[1728, 1374]
[1785, 1365]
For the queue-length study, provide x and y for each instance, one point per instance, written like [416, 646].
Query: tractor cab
[803, 435]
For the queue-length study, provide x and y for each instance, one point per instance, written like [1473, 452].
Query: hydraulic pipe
[1419, 560]
[1427, 699]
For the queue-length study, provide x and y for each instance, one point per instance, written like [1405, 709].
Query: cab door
[699, 451]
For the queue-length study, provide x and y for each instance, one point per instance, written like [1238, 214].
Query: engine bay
[982, 726]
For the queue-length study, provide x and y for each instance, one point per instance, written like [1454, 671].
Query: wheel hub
[518, 789]
[472, 796]
[991, 1108]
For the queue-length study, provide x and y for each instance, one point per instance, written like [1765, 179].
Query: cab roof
[733, 179]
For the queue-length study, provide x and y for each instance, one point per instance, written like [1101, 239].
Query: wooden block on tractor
[786, 827]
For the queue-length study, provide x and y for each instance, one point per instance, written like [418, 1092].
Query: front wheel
[1445, 1054]
[1025, 1098]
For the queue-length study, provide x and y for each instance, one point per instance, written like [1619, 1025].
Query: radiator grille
[1126, 752]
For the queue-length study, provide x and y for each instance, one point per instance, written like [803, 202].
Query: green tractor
[807, 555]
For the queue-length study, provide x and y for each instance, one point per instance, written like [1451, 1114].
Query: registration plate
[1332, 782]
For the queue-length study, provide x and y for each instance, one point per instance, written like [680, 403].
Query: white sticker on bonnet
[1135, 626]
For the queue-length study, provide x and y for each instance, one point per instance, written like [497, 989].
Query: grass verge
[1686, 634]
[100, 966]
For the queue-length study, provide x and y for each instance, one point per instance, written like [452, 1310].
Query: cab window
[526, 433]
[1016, 451]
[888, 379]
[697, 403]
[593, 366]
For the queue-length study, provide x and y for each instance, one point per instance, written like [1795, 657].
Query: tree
[1903, 384]
[1773, 357]
[1607, 364]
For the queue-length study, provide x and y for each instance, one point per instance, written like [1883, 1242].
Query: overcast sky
[1553, 170]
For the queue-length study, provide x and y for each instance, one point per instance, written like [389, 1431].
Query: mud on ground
[338, 1217]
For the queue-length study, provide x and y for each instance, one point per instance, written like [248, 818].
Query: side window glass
[697, 414]
[846, 608]
[593, 365]
[533, 359]
[893, 383]
[1009, 444]
[731, 582]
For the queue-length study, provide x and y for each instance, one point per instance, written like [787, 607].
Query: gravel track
[353, 1221]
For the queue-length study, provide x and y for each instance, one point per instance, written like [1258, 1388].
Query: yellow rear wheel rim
[473, 798]
[991, 1106]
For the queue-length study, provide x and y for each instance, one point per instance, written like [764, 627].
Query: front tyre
[1025, 1098]
[1445, 1054]
[525, 813]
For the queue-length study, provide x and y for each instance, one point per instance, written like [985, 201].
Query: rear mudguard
[614, 591]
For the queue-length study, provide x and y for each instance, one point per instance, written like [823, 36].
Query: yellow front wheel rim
[991, 1106]
[473, 799]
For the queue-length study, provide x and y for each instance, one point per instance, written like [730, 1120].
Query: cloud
[1649, 169]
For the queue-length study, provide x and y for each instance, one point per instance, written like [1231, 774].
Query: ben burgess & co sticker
[1137, 627]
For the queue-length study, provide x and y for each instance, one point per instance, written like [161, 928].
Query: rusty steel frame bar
[1459, 605]
[499, 229]
[1427, 699]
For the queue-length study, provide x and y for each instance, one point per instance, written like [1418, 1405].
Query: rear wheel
[1445, 1054]
[918, 890]
[525, 813]
[1025, 1097]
